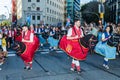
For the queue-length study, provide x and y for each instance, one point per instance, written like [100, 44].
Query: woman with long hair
[104, 49]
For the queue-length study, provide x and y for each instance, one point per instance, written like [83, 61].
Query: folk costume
[41, 38]
[51, 40]
[105, 50]
[73, 47]
[54, 39]
[28, 54]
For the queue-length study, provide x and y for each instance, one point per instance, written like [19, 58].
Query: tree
[90, 12]
[107, 13]
[5, 23]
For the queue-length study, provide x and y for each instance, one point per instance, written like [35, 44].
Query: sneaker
[26, 67]
[29, 69]
[41, 45]
[104, 65]
[72, 69]
[50, 49]
[78, 72]
[117, 54]
[107, 67]
[1, 63]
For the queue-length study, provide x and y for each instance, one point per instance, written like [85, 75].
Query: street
[75, 25]
[55, 65]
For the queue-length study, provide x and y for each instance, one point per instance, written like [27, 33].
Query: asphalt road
[55, 65]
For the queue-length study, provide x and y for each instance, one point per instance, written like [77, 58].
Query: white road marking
[44, 52]
[11, 55]
[59, 51]
[11, 52]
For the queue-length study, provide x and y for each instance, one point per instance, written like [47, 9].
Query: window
[48, 18]
[29, 8]
[37, 0]
[53, 4]
[29, 0]
[38, 17]
[50, 10]
[33, 17]
[48, 1]
[38, 8]
[38, 24]
[47, 10]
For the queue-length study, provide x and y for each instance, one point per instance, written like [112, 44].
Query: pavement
[55, 65]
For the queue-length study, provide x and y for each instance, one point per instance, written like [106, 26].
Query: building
[95, 0]
[14, 12]
[114, 6]
[39, 12]
[2, 17]
[65, 12]
[73, 9]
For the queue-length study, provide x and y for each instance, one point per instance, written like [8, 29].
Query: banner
[68, 21]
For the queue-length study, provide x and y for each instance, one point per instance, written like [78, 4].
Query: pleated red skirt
[73, 48]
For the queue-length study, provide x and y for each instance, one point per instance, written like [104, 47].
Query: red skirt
[73, 48]
[29, 52]
[18, 38]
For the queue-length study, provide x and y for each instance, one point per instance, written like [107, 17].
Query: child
[4, 45]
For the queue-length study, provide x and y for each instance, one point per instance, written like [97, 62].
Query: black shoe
[25, 68]
[49, 49]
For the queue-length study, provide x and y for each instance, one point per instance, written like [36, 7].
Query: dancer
[30, 41]
[103, 49]
[70, 44]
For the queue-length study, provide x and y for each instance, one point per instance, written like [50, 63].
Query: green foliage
[90, 12]
[5, 23]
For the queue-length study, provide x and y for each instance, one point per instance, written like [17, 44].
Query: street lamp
[102, 10]
[117, 12]
[7, 10]
[44, 18]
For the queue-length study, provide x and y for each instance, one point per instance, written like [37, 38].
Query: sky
[85, 1]
[4, 10]
[7, 3]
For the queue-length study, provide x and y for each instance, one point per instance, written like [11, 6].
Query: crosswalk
[46, 51]
[41, 51]
[11, 53]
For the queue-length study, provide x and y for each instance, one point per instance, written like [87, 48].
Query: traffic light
[101, 15]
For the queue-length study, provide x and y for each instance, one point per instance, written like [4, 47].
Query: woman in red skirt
[32, 43]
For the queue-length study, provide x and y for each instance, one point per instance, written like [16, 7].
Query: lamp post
[7, 10]
[101, 10]
[117, 17]
[44, 19]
